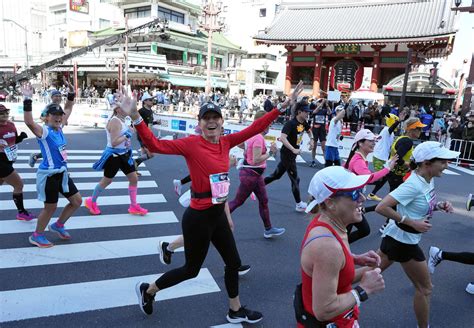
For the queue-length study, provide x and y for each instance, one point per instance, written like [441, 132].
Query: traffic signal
[433, 76]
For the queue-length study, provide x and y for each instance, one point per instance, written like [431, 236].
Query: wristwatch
[362, 293]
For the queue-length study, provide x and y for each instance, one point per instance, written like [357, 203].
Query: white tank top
[125, 144]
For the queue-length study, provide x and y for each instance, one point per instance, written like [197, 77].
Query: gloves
[21, 137]
[27, 105]
[71, 96]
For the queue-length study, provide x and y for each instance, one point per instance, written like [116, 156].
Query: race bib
[220, 184]
[11, 152]
[63, 152]
[319, 119]
[431, 199]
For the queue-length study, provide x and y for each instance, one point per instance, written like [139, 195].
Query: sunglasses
[354, 194]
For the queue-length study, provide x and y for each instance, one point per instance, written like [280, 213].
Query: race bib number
[319, 119]
[11, 152]
[63, 152]
[431, 199]
[220, 184]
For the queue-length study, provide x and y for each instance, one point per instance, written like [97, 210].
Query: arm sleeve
[393, 127]
[402, 147]
[170, 147]
[257, 127]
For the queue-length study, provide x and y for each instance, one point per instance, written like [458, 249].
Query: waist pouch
[304, 317]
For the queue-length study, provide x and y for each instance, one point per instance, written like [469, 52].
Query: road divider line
[87, 186]
[83, 174]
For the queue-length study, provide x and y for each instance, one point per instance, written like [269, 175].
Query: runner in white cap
[415, 200]
[326, 297]
[146, 113]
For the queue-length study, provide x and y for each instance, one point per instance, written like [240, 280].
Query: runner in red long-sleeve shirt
[207, 157]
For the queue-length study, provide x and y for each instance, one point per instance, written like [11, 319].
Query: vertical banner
[119, 83]
[75, 78]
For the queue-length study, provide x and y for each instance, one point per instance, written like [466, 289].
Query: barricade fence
[466, 148]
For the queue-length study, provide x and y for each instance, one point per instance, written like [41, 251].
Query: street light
[26, 38]
[265, 68]
[210, 23]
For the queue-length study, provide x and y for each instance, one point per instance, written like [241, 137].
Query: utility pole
[405, 78]
[210, 23]
[126, 55]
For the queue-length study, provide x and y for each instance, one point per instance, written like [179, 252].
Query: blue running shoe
[269, 233]
[40, 241]
[63, 234]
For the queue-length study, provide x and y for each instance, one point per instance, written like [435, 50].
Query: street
[90, 280]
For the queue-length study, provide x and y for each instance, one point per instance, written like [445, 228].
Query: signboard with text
[80, 6]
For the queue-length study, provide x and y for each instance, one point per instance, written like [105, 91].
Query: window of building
[171, 15]
[172, 56]
[261, 56]
[217, 64]
[263, 12]
[138, 12]
[60, 16]
[103, 23]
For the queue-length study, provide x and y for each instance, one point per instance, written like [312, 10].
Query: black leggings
[363, 230]
[378, 185]
[200, 228]
[288, 166]
[462, 257]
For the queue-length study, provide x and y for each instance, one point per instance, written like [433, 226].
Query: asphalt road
[96, 292]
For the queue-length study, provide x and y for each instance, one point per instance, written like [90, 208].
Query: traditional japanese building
[329, 45]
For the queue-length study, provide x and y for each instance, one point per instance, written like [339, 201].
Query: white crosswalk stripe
[84, 295]
[93, 295]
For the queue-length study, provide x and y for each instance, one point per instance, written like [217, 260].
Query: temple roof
[384, 22]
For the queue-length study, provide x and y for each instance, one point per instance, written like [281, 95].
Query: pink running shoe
[26, 216]
[93, 208]
[137, 210]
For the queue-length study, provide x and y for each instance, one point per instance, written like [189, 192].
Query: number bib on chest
[220, 184]
[63, 152]
[11, 152]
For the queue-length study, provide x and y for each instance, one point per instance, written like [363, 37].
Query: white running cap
[431, 149]
[332, 179]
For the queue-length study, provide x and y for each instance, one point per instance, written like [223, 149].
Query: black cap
[302, 106]
[54, 109]
[209, 107]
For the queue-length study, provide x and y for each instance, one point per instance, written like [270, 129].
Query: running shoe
[269, 233]
[374, 197]
[253, 197]
[92, 206]
[244, 315]
[25, 216]
[244, 269]
[435, 258]
[137, 210]
[145, 300]
[177, 186]
[165, 254]
[470, 288]
[40, 241]
[32, 160]
[62, 233]
[469, 202]
[301, 207]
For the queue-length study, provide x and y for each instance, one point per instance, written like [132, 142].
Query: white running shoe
[177, 186]
[434, 259]
[301, 207]
[470, 288]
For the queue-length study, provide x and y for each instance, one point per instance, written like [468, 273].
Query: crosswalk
[83, 294]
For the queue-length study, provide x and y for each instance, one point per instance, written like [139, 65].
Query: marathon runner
[415, 201]
[146, 113]
[52, 175]
[9, 139]
[331, 155]
[205, 220]
[318, 125]
[117, 156]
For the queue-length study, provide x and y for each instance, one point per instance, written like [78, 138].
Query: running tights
[288, 166]
[363, 230]
[200, 228]
[378, 185]
[461, 257]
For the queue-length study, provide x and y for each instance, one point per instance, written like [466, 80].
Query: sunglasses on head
[354, 194]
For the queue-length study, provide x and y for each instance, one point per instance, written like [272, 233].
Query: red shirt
[202, 157]
[344, 285]
[8, 133]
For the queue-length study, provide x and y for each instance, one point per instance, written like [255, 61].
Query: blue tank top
[53, 148]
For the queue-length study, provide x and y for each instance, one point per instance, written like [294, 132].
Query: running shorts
[114, 163]
[54, 187]
[401, 252]
[332, 154]
[378, 163]
[6, 168]
[319, 133]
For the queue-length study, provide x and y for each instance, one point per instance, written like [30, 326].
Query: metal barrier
[466, 148]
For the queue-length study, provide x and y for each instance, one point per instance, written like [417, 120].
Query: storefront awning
[194, 81]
